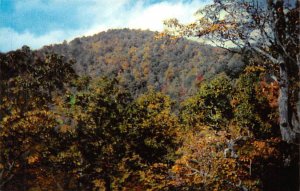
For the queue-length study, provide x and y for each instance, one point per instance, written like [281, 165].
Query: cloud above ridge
[38, 22]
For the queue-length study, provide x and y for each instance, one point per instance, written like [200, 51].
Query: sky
[42, 22]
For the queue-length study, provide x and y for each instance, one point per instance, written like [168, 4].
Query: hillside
[62, 132]
[139, 110]
[140, 61]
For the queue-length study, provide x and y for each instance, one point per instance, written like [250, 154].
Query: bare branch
[266, 54]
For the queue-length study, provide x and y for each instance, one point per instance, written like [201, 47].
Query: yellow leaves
[99, 184]
[264, 149]
[5, 119]
[252, 69]
[176, 168]
[159, 36]
[154, 177]
[32, 159]
[64, 128]
[167, 37]
[216, 27]
[153, 106]
[31, 121]
[203, 162]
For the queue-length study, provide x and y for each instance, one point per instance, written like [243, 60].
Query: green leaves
[211, 106]
[153, 128]
[251, 109]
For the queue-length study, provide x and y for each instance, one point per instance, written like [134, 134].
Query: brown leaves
[270, 91]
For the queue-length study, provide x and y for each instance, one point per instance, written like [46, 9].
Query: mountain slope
[140, 61]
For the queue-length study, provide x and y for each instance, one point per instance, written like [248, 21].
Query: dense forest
[139, 60]
[64, 130]
[137, 110]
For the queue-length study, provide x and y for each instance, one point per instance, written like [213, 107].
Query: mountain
[61, 132]
[140, 60]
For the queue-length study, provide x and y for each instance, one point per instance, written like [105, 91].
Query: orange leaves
[204, 161]
[265, 149]
[234, 102]
[64, 128]
[201, 161]
[259, 145]
[166, 37]
[155, 177]
[213, 28]
[32, 159]
[271, 92]
[159, 36]
[201, 27]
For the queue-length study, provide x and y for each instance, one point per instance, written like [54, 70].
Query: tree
[152, 136]
[29, 143]
[29, 82]
[96, 113]
[211, 105]
[246, 153]
[269, 29]
[252, 111]
[152, 127]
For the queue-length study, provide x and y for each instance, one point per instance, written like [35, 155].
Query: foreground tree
[95, 113]
[269, 29]
[151, 131]
[246, 152]
[29, 83]
[210, 106]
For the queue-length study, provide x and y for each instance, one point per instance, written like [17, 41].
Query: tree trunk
[287, 133]
[107, 183]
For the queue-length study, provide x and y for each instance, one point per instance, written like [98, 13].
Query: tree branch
[267, 55]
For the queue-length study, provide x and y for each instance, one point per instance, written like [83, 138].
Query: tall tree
[29, 82]
[269, 29]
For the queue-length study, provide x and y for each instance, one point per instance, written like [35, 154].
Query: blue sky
[41, 22]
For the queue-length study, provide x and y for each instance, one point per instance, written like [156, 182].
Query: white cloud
[102, 15]
[13, 40]
[153, 16]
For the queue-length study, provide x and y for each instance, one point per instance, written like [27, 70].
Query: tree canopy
[63, 130]
[268, 29]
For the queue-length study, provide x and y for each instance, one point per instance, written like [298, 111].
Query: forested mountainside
[106, 123]
[60, 131]
[139, 60]
[132, 110]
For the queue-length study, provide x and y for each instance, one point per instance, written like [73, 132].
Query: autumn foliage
[60, 131]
